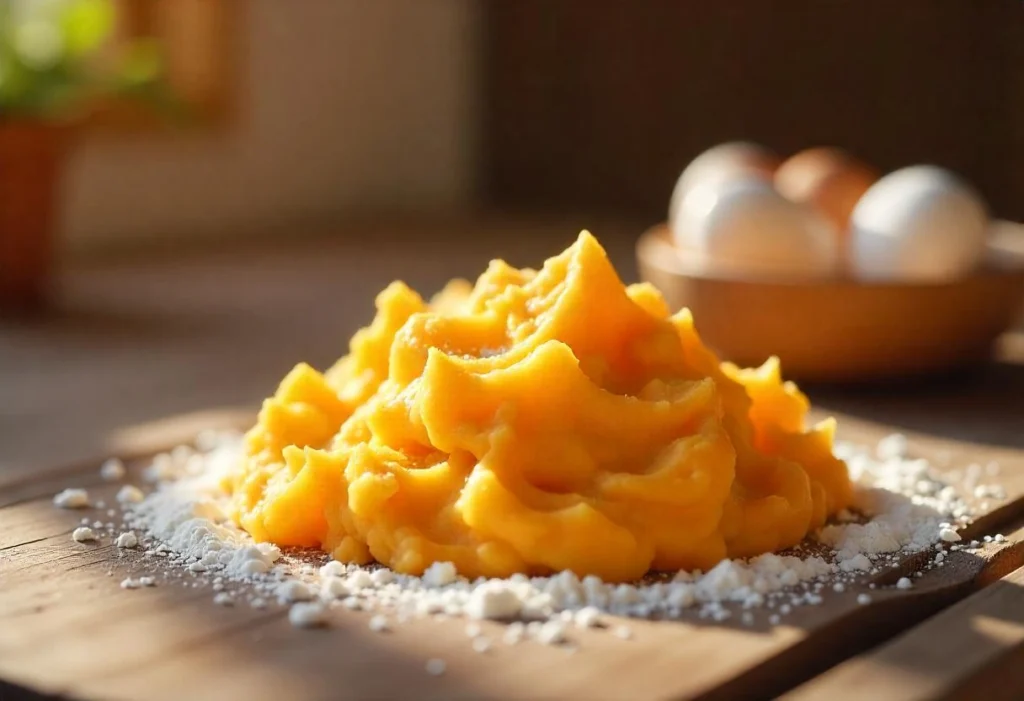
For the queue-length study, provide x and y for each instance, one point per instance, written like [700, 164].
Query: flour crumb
[382, 576]
[379, 624]
[493, 600]
[292, 591]
[948, 535]
[904, 583]
[893, 446]
[307, 615]
[440, 574]
[130, 494]
[333, 569]
[623, 632]
[71, 498]
[359, 580]
[436, 667]
[989, 491]
[224, 599]
[551, 633]
[481, 645]
[334, 588]
[588, 617]
[128, 539]
[112, 470]
[129, 583]
[863, 599]
[83, 534]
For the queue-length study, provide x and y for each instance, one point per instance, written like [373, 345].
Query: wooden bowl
[844, 330]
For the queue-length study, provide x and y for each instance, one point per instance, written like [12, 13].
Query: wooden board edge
[950, 650]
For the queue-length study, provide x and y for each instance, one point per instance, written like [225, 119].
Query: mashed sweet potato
[534, 422]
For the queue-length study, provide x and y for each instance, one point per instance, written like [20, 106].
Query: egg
[921, 223]
[828, 179]
[747, 229]
[722, 163]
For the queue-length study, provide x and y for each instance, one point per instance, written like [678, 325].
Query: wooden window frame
[204, 74]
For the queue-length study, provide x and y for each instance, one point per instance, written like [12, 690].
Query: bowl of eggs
[842, 272]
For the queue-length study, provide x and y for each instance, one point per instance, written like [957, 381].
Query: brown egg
[828, 179]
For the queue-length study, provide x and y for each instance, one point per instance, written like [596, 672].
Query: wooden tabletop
[143, 351]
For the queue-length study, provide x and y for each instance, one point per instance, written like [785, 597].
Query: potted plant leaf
[57, 66]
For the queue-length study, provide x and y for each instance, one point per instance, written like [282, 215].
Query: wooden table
[145, 351]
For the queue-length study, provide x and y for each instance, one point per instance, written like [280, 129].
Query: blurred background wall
[342, 106]
[601, 104]
[583, 106]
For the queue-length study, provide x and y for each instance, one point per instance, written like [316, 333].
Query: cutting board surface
[104, 378]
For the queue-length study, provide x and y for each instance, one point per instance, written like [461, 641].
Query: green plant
[57, 60]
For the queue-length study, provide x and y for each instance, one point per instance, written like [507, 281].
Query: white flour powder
[902, 506]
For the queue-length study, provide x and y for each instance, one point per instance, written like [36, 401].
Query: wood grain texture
[145, 351]
[938, 658]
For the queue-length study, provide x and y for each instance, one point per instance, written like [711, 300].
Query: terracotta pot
[31, 160]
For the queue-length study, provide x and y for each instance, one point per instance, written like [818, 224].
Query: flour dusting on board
[903, 506]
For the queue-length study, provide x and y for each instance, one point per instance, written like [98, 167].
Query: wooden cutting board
[68, 627]
[73, 392]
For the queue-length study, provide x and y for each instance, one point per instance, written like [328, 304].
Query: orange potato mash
[534, 422]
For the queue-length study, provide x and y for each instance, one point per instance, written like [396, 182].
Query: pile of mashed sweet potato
[534, 422]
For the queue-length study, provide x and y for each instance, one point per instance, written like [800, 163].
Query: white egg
[747, 229]
[725, 162]
[920, 223]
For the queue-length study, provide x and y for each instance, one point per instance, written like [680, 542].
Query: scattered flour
[128, 539]
[130, 494]
[588, 617]
[112, 470]
[307, 614]
[129, 583]
[72, 499]
[551, 632]
[83, 534]
[292, 591]
[903, 506]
